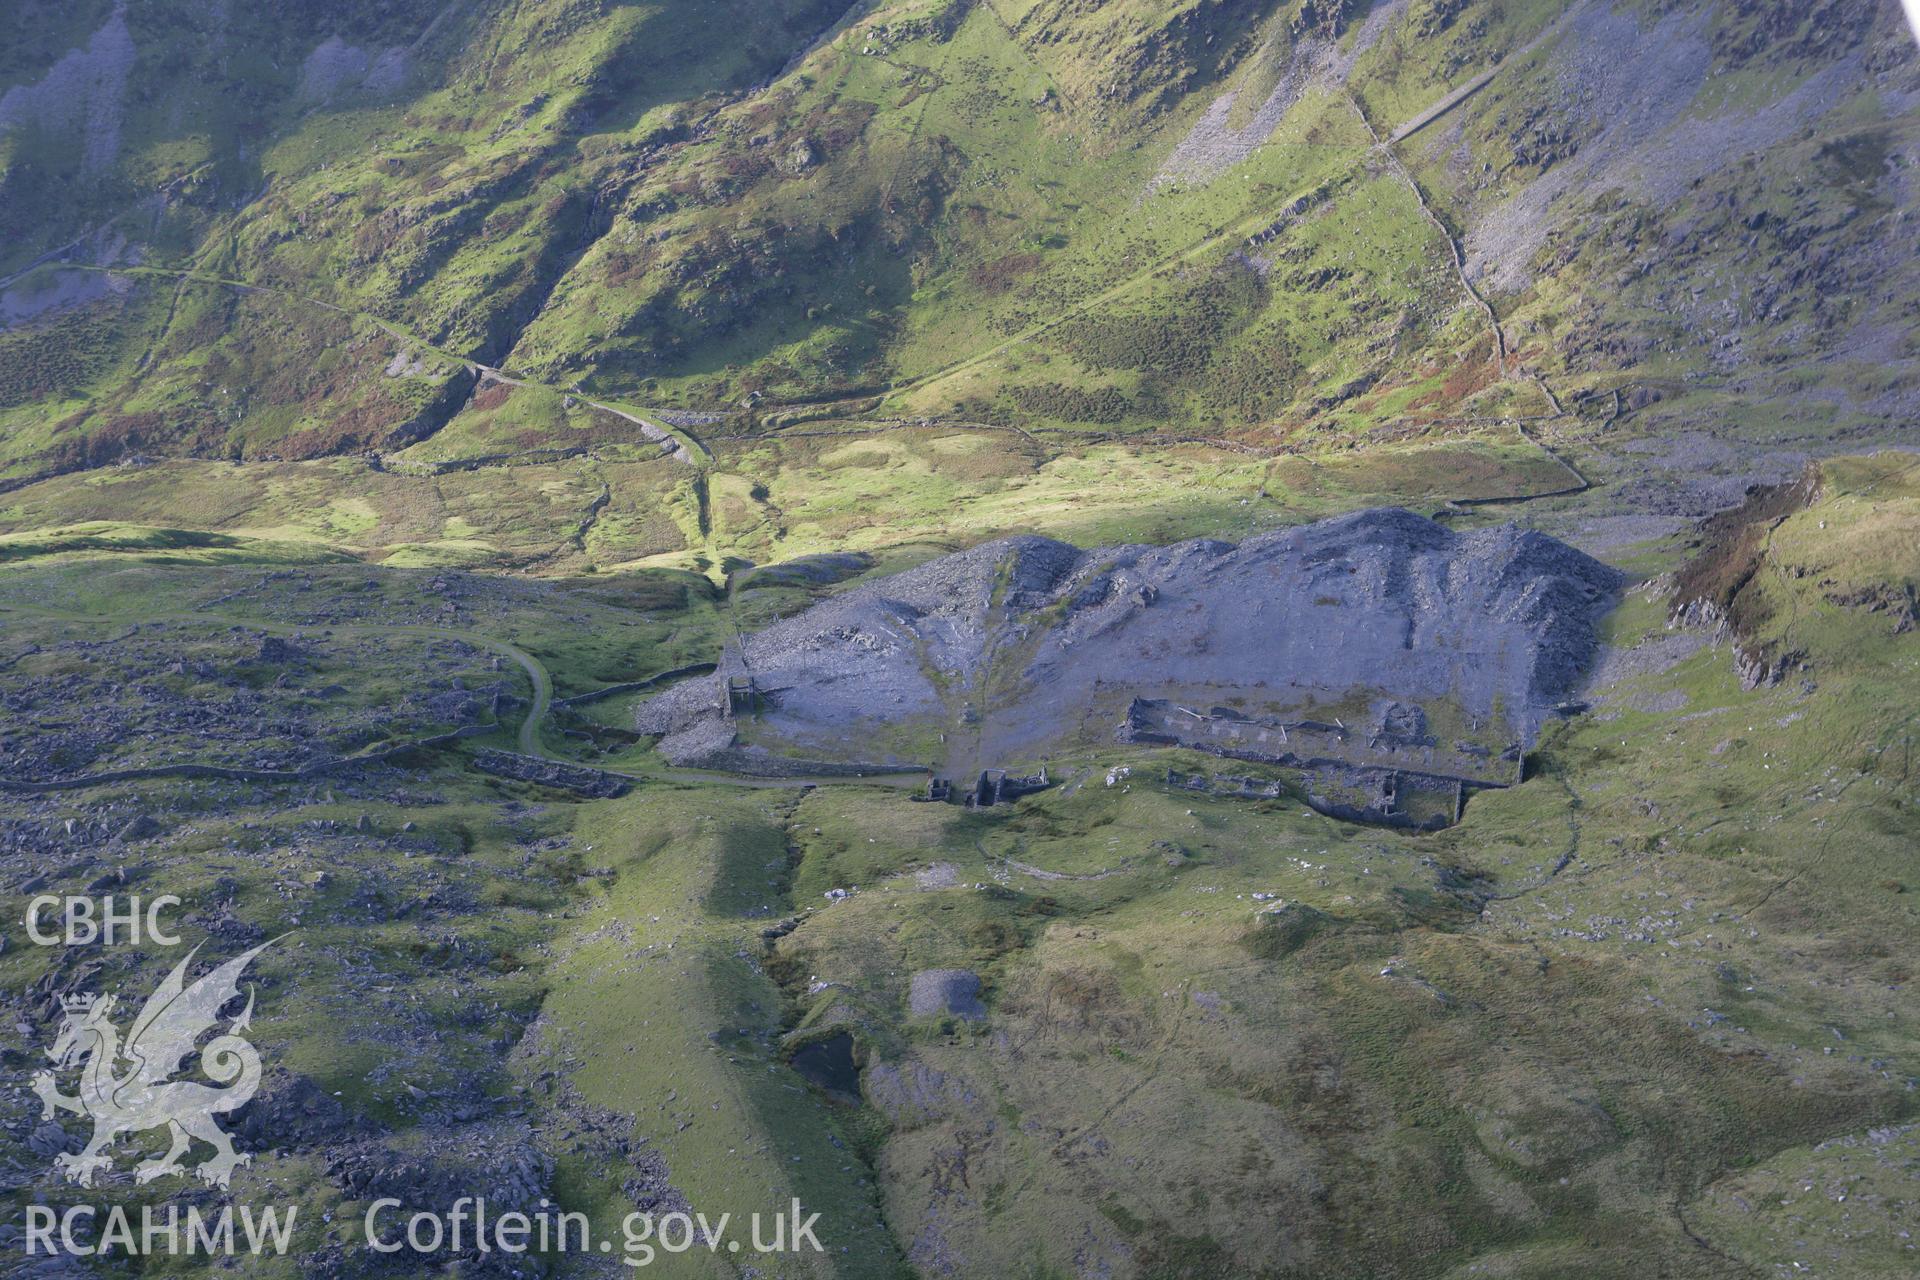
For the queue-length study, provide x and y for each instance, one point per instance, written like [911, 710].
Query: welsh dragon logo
[129, 1087]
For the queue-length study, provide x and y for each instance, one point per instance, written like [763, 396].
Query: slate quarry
[1021, 645]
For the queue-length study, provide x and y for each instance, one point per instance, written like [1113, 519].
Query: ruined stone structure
[741, 697]
[1403, 779]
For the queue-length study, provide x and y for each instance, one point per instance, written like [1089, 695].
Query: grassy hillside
[1192, 218]
[1644, 1012]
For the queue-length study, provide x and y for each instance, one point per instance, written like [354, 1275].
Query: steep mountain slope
[424, 165]
[1294, 224]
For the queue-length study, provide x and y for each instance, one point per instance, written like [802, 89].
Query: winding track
[692, 451]
[1254, 223]
[687, 447]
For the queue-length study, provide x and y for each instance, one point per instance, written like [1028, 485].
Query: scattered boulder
[291, 1111]
[142, 827]
[49, 1138]
[275, 651]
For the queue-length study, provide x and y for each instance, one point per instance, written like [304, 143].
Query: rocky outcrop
[1720, 590]
[84, 92]
[937, 993]
[292, 1112]
[579, 779]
